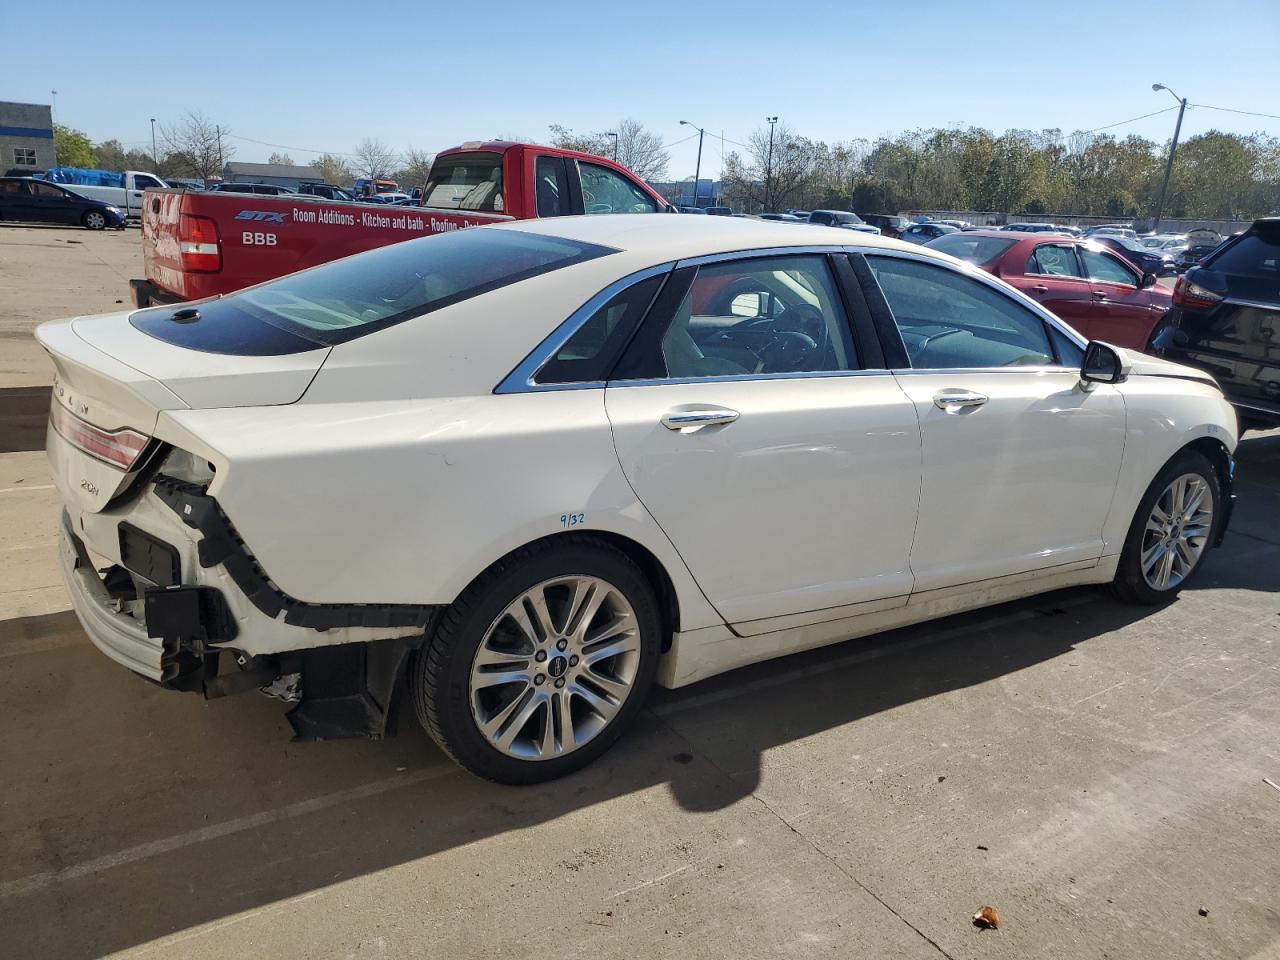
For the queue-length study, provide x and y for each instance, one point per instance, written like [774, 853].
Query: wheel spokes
[555, 667]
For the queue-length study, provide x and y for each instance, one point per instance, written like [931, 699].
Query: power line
[1247, 113]
[1121, 123]
[284, 146]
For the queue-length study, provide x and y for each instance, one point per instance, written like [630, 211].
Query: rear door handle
[1040, 288]
[959, 400]
[687, 421]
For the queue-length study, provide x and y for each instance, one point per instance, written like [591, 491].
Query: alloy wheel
[555, 667]
[1177, 532]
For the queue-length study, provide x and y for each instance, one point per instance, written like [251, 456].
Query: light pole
[154, 156]
[1173, 149]
[768, 167]
[697, 170]
[615, 144]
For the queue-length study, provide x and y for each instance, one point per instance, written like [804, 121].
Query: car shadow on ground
[130, 813]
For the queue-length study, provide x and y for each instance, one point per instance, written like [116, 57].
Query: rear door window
[466, 181]
[350, 298]
[1055, 260]
[551, 187]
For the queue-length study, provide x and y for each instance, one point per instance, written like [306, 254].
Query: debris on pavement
[1204, 911]
[1271, 783]
[987, 918]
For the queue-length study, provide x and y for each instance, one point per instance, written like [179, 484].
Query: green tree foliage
[1216, 175]
[111, 155]
[73, 147]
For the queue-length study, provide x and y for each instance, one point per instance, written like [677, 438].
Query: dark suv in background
[890, 226]
[1226, 319]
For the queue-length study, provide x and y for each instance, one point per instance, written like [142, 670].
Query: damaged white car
[523, 471]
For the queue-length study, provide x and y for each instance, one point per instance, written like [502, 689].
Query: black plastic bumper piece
[220, 544]
[347, 689]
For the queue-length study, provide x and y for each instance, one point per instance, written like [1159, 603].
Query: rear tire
[94, 220]
[1172, 531]
[564, 697]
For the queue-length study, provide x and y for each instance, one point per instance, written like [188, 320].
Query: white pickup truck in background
[123, 190]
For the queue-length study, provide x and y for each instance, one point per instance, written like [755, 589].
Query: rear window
[351, 298]
[466, 181]
[974, 249]
[1256, 254]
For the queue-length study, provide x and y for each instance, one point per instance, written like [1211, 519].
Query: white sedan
[535, 467]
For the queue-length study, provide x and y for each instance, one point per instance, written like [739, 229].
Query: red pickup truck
[198, 245]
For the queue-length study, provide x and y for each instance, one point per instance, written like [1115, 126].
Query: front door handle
[959, 400]
[689, 420]
[1040, 288]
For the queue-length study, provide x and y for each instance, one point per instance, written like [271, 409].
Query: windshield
[465, 181]
[350, 298]
[968, 247]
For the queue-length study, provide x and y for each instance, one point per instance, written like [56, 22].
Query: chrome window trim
[762, 252]
[927, 371]
[749, 377]
[973, 271]
[523, 379]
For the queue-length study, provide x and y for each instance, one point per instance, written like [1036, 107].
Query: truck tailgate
[259, 238]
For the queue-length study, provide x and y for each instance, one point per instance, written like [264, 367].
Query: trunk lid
[195, 370]
[104, 408]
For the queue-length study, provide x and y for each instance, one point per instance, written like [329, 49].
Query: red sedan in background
[1100, 294]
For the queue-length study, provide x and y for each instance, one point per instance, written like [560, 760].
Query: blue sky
[431, 75]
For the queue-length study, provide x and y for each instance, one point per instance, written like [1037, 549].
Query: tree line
[1216, 175]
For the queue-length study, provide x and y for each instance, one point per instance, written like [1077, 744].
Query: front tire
[542, 663]
[1171, 532]
[94, 220]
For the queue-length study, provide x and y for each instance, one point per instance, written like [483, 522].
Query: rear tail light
[122, 448]
[198, 244]
[1189, 294]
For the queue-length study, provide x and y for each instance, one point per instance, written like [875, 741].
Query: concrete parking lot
[1092, 770]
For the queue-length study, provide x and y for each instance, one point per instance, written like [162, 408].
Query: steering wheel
[785, 352]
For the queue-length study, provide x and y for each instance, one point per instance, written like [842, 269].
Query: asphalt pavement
[1095, 772]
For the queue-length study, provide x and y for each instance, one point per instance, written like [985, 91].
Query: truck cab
[198, 245]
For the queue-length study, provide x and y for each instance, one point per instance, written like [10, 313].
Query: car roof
[658, 238]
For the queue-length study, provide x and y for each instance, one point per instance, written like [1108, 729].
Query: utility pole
[615, 144]
[697, 170]
[1173, 149]
[155, 157]
[768, 167]
[53, 115]
[218, 130]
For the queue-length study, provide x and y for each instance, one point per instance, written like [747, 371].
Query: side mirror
[1102, 364]
[1148, 280]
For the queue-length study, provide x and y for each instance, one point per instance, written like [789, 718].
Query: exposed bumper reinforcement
[220, 544]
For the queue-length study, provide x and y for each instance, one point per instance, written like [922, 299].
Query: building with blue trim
[26, 138]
